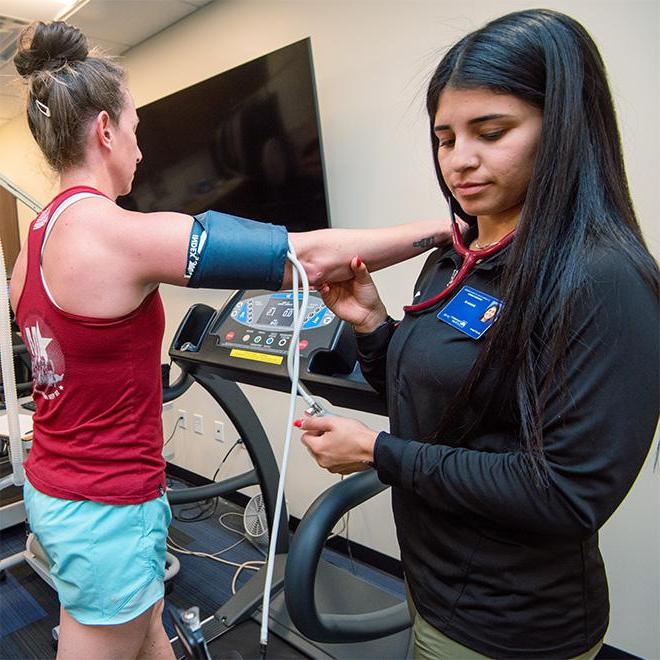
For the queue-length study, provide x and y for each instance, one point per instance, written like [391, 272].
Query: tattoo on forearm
[427, 242]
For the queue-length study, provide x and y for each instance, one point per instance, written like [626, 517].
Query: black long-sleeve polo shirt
[497, 562]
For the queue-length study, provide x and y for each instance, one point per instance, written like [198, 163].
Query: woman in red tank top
[85, 290]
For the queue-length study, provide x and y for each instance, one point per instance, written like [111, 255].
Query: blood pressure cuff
[227, 252]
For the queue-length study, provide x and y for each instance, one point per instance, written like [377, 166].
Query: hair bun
[47, 46]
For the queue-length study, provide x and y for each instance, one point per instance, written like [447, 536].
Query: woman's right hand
[356, 300]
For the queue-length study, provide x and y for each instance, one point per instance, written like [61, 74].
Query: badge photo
[471, 311]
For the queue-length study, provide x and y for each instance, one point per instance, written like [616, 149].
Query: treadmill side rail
[304, 556]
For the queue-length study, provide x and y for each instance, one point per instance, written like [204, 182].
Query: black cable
[171, 483]
[176, 425]
[208, 508]
[226, 456]
[348, 543]
[349, 549]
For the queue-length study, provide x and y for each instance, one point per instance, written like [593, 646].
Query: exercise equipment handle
[179, 387]
[302, 563]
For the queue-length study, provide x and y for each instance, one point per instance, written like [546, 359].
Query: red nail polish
[298, 423]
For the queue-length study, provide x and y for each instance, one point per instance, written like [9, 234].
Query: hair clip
[43, 108]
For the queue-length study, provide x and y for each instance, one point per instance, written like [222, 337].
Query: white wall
[372, 59]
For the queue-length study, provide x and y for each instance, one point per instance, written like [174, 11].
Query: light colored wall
[372, 59]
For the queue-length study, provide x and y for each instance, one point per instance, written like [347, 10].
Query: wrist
[431, 234]
[367, 444]
[443, 235]
[373, 321]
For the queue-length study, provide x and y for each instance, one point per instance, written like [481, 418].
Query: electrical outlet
[183, 417]
[219, 431]
[198, 424]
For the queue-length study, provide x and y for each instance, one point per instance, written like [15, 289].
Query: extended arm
[124, 255]
[326, 253]
[233, 245]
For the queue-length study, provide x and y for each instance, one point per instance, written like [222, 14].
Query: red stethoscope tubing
[470, 258]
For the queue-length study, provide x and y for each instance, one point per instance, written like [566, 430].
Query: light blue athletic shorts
[107, 561]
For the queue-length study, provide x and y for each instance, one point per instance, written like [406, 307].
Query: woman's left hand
[338, 444]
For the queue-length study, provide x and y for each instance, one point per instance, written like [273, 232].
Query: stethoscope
[470, 258]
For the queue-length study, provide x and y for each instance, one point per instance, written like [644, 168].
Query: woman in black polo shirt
[512, 442]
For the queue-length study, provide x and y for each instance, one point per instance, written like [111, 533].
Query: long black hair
[577, 196]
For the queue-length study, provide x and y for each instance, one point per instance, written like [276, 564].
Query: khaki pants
[431, 644]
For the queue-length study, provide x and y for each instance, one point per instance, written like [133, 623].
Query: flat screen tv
[245, 142]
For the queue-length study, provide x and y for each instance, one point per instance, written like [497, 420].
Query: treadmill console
[264, 323]
[247, 341]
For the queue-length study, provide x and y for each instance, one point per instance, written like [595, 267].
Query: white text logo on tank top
[41, 219]
[47, 359]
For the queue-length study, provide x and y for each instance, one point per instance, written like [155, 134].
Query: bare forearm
[379, 248]
[326, 253]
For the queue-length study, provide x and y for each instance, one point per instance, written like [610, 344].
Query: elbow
[577, 529]
[574, 522]
[575, 508]
[561, 527]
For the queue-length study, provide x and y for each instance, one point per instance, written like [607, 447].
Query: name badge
[471, 311]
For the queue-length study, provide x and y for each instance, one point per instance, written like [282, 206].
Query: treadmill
[317, 609]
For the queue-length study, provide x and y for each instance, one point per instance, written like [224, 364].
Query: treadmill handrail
[302, 563]
[19, 193]
[217, 489]
[179, 387]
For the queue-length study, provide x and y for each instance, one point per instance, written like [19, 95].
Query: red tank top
[97, 386]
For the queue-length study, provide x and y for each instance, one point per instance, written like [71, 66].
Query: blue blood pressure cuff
[227, 252]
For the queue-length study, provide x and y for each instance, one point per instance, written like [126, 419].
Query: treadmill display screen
[278, 314]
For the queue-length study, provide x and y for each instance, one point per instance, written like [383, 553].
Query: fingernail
[358, 261]
[298, 423]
